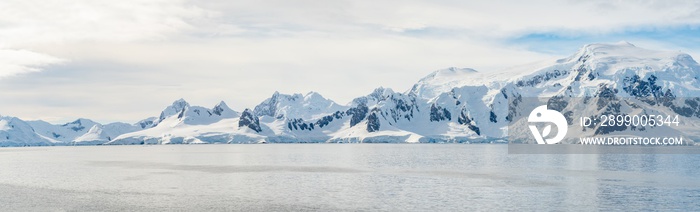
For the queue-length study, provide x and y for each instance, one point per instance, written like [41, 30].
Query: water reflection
[339, 177]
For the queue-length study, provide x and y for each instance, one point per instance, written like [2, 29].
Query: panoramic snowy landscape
[448, 105]
[342, 105]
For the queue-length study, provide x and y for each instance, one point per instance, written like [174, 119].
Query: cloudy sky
[126, 60]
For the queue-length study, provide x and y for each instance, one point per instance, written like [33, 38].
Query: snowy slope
[15, 132]
[442, 81]
[64, 133]
[100, 134]
[183, 123]
[96, 135]
[77, 131]
[308, 106]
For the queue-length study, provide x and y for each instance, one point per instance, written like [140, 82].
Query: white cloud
[25, 25]
[13, 62]
[488, 18]
[28, 23]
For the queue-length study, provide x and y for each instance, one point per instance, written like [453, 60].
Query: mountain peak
[224, 111]
[180, 103]
[80, 122]
[621, 43]
[221, 104]
[380, 92]
[178, 107]
[624, 43]
[277, 96]
[452, 71]
[314, 97]
[267, 107]
[618, 49]
[296, 106]
[447, 74]
[312, 94]
[621, 55]
[95, 135]
[442, 80]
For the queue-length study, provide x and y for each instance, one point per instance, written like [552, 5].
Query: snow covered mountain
[309, 106]
[618, 79]
[183, 123]
[78, 132]
[62, 133]
[448, 105]
[15, 132]
[442, 81]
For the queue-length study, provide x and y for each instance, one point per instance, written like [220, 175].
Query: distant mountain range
[448, 105]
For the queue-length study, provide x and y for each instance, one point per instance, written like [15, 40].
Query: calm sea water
[340, 177]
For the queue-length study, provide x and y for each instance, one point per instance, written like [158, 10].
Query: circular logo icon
[543, 115]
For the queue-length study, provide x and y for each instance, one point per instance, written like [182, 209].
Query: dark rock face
[322, 122]
[691, 108]
[145, 124]
[608, 103]
[541, 78]
[299, 124]
[397, 106]
[438, 113]
[581, 72]
[373, 122]
[217, 110]
[649, 92]
[512, 107]
[557, 103]
[605, 96]
[405, 107]
[182, 113]
[249, 120]
[464, 119]
[79, 125]
[161, 117]
[641, 88]
[358, 114]
[268, 107]
[79, 128]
